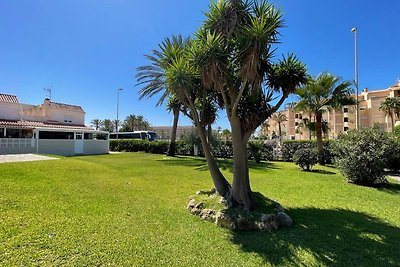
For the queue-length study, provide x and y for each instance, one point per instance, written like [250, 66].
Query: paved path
[23, 157]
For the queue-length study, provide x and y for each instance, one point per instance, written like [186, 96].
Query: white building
[49, 128]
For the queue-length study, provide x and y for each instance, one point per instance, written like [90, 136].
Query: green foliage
[396, 132]
[255, 150]
[393, 153]
[129, 145]
[361, 155]
[158, 147]
[306, 158]
[289, 147]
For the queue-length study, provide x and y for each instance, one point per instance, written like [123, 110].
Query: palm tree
[108, 125]
[320, 94]
[279, 118]
[96, 123]
[391, 107]
[229, 63]
[173, 105]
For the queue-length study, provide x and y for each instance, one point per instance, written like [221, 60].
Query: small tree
[306, 158]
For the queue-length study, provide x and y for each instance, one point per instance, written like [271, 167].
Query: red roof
[38, 124]
[68, 107]
[8, 98]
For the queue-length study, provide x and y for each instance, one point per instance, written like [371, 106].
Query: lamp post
[116, 125]
[356, 76]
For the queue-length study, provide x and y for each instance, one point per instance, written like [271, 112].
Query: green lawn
[130, 209]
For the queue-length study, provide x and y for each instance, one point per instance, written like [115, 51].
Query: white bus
[139, 135]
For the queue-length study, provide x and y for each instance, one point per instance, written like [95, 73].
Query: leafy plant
[361, 155]
[255, 150]
[306, 158]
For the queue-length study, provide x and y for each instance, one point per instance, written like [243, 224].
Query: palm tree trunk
[241, 191]
[172, 144]
[318, 131]
[209, 133]
[280, 132]
[221, 184]
[392, 118]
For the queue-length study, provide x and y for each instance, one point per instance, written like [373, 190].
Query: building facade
[164, 132]
[336, 121]
[49, 128]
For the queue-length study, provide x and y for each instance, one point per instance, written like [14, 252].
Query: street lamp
[356, 76]
[116, 124]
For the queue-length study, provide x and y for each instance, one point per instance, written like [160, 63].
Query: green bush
[159, 147]
[129, 145]
[306, 158]
[361, 155]
[255, 150]
[393, 154]
[290, 147]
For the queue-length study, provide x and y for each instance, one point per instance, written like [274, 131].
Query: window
[300, 116]
[296, 116]
[345, 110]
[56, 135]
[296, 124]
[88, 136]
[346, 129]
[346, 119]
[1, 132]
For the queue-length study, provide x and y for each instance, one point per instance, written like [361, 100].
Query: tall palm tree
[173, 105]
[154, 78]
[320, 94]
[279, 118]
[391, 107]
[96, 123]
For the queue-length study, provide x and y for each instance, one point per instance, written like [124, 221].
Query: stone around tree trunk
[225, 221]
[269, 222]
[284, 219]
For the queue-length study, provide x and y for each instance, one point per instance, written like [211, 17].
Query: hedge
[221, 149]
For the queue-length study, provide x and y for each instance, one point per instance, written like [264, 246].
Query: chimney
[46, 107]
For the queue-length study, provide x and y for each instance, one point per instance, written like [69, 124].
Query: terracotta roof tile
[8, 98]
[38, 124]
[68, 107]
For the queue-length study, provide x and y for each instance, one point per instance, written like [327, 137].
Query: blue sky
[87, 49]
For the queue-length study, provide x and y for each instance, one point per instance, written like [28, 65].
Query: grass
[129, 209]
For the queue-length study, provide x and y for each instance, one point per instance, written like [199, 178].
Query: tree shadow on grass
[224, 164]
[391, 188]
[323, 172]
[332, 237]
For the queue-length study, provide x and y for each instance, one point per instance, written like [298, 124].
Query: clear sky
[88, 49]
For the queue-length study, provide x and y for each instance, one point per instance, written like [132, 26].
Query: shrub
[129, 145]
[393, 154]
[158, 147]
[255, 150]
[306, 158]
[290, 147]
[361, 155]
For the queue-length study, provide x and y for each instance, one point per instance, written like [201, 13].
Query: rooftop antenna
[48, 90]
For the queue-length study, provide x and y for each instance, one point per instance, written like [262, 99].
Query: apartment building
[337, 121]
